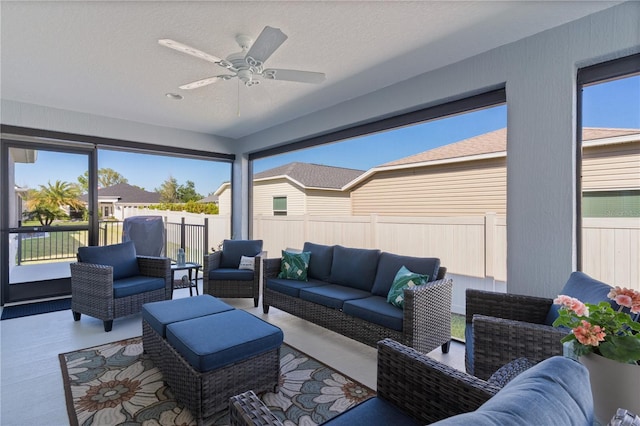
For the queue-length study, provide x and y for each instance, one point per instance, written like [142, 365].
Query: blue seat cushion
[354, 267]
[233, 250]
[389, 265]
[584, 288]
[468, 346]
[121, 257]
[231, 274]
[320, 261]
[291, 287]
[555, 391]
[135, 285]
[375, 309]
[159, 314]
[214, 341]
[374, 411]
[332, 295]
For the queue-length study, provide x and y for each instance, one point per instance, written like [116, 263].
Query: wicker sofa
[414, 389]
[347, 289]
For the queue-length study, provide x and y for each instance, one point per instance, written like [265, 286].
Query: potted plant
[607, 342]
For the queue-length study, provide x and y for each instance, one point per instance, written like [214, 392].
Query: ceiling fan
[248, 63]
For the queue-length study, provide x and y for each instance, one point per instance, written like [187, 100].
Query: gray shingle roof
[312, 175]
[127, 194]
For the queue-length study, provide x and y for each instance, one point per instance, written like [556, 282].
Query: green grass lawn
[457, 326]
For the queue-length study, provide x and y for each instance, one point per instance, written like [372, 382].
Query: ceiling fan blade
[189, 50]
[294, 75]
[267, 42]
[201, 83]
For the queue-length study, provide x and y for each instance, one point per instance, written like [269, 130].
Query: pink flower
[626, 297]
[572, 304]
[590, 335]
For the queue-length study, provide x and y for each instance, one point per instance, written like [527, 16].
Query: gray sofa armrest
[270, 268]
[92, 289]
[160, 267]
[505, 305]
[427, 315]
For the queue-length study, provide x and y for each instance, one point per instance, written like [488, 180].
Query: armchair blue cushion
[122, 257]
[233, 250]
[584, 288]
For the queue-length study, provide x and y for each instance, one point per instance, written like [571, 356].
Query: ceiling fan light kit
[249, 62]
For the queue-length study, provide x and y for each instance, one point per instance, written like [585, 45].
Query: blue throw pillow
[404, 279]
[584, 288]
[122, 257]
[294, 266]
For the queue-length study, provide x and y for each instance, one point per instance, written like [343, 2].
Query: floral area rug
[116, 383]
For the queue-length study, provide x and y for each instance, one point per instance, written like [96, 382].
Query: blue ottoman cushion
[214, 341]
[159, 314]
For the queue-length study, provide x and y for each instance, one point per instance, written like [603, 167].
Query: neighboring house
[213, 198]
[114, 199]
[298, 189]
[470, 177]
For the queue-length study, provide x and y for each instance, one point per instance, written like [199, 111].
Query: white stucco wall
[539, 74]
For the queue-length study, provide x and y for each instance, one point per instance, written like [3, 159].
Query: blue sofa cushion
[555, 391]
[354, 267]
[332, 295]
[233, 250]
[122, 257]
[214, 341]
[135, 285]
[294, 266]
[375, 309]
[374, 411]
[231, 274]
[291, 287]
[320, 262]
[584, 288]
[390, 264]
[159, 314]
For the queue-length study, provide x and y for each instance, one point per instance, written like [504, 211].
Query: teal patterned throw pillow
[404, 279]
[294, 266]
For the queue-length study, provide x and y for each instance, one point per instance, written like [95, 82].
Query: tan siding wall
[224, 202]
[611, 167]
[445, 190]
[264, 191]
[336, 203]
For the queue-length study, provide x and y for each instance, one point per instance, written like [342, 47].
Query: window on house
[279, 206]
[609, 171]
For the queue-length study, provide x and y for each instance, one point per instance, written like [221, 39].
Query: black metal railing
[61, 242]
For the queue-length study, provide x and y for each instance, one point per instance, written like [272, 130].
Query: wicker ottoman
[207, 359]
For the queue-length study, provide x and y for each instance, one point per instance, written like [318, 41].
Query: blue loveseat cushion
[584, 288]
[291, 287]
[159, 314]
[389, 265]
[374, 411]
[214, 341]
[377, 310]
[121, 257]
[231, 274]
[354, 267]
[331, 295]
[320, 261]
[135, 285]
[555, 391]
[233, 250]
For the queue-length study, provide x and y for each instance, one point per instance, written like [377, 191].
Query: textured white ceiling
[103, 58]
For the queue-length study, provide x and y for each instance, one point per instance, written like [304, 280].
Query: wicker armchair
[222, 276]
[96, 293]
[418, 385]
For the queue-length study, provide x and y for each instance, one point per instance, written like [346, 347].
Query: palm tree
[46, 204]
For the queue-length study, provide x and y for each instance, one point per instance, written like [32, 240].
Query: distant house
[298, 189]
[213, 198]
[470, 177]
[112, 200]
